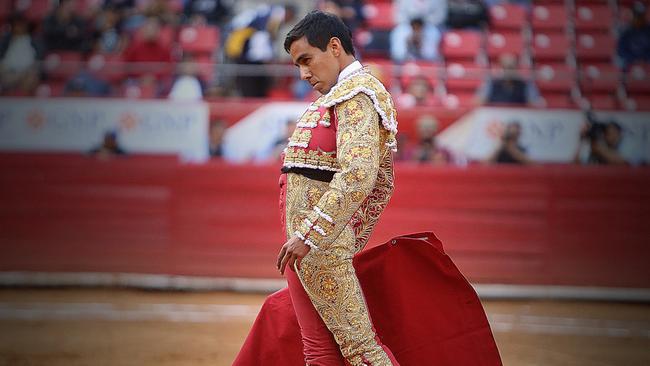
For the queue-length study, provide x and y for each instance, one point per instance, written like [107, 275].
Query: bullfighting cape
[423, 308]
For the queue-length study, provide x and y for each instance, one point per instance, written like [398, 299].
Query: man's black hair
[319, 27]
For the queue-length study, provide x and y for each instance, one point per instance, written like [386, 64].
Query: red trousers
[319, 346]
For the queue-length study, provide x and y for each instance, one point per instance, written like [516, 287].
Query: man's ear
[336, 46]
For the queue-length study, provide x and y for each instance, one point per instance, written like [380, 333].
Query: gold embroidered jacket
[350, 131]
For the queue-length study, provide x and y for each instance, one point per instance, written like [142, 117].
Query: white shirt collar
[356, 65]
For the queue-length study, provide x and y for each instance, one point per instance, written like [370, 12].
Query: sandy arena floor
[70, 327]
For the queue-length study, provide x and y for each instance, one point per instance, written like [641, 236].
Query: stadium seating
[34, 10]
[602, 101]
[603, 78]
[463, 77]
[595, 47]
[507, 17]
[637, 79]
[199, 40]
[593, 17]
[461, 45]
[499, 43]
[555, 78]
[109, 67]
[638, 102]
[374, 43]
[5, 10]
[63, 64]
[166, 37]
[550, 47]
[411, 70]
[549, 17]
[379, 15]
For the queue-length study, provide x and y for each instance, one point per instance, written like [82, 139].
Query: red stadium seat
[5, 10]
[595, 47]
[507, 16]
[109, 67]
[599, 78]
[602, 101]
[554, 78]
[34, 10]
[459, 100]
[463, 77]
[640, 102]
[379, 15]
[199, 39]
[50, 90]
[499, 43]
[166, 37]
[557, 100]
[549, 17]
[138, 91]
[550, 46]
[464, 45]
[637, 79]
[411, 70]
[62, 64]
[591, 17]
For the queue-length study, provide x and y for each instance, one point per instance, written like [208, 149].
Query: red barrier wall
[560, 225]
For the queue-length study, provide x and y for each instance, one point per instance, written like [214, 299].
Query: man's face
[319, 68]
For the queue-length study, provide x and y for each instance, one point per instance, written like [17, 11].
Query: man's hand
[292, 252]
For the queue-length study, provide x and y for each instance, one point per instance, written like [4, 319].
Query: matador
[337, 179]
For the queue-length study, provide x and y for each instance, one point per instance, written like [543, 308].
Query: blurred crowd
[202, 49]
[139, 48]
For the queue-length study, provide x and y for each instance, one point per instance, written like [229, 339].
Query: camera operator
[510, 151]
[605, 150]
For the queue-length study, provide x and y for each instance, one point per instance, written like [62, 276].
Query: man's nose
[304, 73]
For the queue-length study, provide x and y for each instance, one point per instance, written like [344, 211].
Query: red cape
[422, 307]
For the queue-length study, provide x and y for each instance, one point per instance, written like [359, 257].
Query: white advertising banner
[547, 135]
[79, 124]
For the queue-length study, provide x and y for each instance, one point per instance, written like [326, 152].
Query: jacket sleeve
[358, 153]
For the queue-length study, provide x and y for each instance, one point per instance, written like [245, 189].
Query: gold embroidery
[310, 159]
[300, 137]
[345, 210]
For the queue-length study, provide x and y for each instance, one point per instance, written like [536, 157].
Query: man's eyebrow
[300, 58]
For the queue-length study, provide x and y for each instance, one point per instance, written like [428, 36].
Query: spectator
[65, 31]
[413, 46]
[467, 14]
[350, 11]
[149, 55]
[417, 25]
[605, 146]
[634, 42]
[214, 12]
[427, 151]
[509, 87]
[251, 43]
[19, 55]
[276, 149]
[188, 85]
[109, 37]
[216, 133]
[109, 147]
[510, 151]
